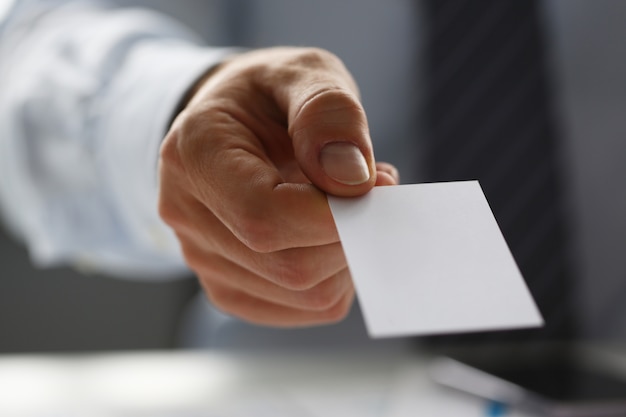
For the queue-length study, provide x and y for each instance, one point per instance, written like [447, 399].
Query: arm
[86, 95]
[243, 171]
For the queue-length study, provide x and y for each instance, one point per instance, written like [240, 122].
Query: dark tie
[487, 115]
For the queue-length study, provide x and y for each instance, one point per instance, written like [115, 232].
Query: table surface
[216, 384]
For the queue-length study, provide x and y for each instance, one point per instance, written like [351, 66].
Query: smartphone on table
[563, 381]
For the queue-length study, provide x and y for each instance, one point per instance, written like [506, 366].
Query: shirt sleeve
[86, 95]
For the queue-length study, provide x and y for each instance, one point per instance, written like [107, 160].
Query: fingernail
[344, 162]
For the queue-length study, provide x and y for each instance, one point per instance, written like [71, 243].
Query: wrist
[197, 85]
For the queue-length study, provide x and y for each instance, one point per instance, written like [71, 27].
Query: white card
[430, 259]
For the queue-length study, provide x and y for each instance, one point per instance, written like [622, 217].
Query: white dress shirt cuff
[141, 103]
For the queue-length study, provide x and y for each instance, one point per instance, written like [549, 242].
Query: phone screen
[566, 382]
[561, 376]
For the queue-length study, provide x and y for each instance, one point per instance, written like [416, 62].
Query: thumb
[329, 130]
[332, 144]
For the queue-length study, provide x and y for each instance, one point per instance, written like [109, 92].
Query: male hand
[243, 176]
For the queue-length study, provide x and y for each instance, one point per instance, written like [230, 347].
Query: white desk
[211, 384]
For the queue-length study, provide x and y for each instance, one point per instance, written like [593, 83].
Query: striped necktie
[488, 116]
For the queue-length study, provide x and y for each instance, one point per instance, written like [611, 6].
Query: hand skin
[243, 175]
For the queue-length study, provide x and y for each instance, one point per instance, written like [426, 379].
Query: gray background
[59, 309]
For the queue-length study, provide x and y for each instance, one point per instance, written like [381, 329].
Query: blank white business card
[430, 259]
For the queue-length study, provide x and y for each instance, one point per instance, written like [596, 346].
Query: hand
[243, 175]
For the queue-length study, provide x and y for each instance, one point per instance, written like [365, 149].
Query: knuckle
[196, 120]
[294, 273]
[222, 298]
[312, 57]
[294, 278]
[334, 99]
[321, 298]
[196, 262]
[170, 213]
[169, 152]
[293, 63]
[319, 105]
[254, 234]
[187, 142]
[256, 231]
[338, 312]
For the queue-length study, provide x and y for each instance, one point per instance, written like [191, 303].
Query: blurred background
[61, 309]
[64, 310]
